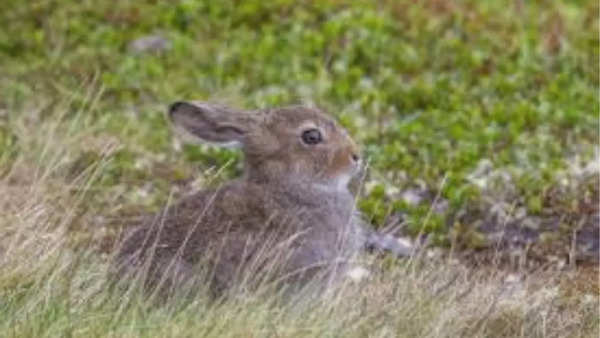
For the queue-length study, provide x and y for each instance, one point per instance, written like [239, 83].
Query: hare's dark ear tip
[175, 106]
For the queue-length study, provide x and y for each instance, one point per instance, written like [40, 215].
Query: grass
[497, 100]
[429, 89]
[53, 277]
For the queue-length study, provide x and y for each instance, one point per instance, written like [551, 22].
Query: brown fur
[291, 206]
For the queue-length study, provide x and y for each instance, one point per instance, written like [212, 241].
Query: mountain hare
[290, 216]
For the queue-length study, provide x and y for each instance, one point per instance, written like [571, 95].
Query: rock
[531, 222]
[412, 197]
[440, 206]
[405, 241]
[588, 240]
[150, 44]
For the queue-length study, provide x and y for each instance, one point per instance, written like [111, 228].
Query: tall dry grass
[53, 271]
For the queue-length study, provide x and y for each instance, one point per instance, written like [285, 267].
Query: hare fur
[291, 213]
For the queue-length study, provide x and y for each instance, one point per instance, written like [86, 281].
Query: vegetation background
[477, 118]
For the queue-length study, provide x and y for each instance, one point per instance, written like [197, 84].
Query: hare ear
[208, 122]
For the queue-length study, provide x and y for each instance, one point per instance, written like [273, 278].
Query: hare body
[227, 231]
[290, 217]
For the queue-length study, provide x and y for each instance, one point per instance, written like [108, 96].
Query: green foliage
[7, 145]
[429, 88]
[466, 102]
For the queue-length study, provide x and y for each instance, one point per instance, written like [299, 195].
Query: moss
[8, 146]
[429, 91]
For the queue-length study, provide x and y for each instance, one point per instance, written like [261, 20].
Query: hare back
[242, 228]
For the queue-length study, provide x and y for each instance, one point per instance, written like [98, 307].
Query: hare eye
[312, 136]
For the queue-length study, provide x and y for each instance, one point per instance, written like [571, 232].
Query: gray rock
[150, 44]
[412, 196]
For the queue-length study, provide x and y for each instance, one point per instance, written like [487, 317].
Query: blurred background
[473, 114]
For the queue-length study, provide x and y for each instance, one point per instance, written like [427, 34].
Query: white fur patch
[337, 185]
[342, 181]
[358, 273]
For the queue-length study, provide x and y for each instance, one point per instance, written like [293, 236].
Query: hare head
[292, 145]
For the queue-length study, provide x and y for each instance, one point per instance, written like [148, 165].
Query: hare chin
[342, 181]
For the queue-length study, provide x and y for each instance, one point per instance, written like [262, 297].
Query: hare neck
[306, 192]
